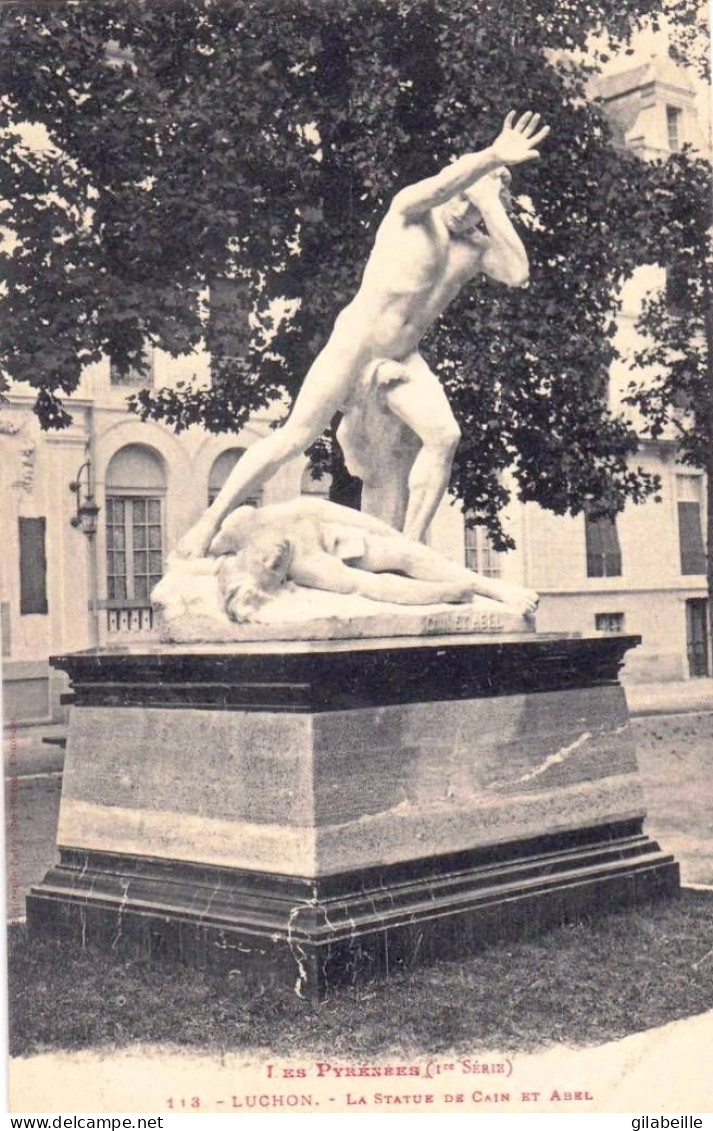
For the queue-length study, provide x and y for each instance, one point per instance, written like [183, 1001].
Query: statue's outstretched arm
[515, 144]
[416, 200]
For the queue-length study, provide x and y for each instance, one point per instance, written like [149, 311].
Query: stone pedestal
[316, 813]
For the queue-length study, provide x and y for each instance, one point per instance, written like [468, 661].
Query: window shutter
[595, 555]
[612, 552]
[603, 550]
[33, 566]
[693, 553]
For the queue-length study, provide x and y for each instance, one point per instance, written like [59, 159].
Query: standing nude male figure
[427, 248]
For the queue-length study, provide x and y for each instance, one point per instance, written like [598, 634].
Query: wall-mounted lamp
[87, 509]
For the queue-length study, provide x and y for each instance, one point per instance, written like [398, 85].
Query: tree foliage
[675, 397]
[262, 140]
[677, 320]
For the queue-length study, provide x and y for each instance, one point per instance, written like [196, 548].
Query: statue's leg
[387, 501]
[385, 490]
[389, 552]
[378, 447]
[323, 392]
[397, 552]
[421, 404]
[321, 571]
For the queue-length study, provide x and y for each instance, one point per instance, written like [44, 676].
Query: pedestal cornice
[339, 675]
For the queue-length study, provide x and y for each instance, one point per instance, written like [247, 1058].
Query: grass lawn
[585, 983]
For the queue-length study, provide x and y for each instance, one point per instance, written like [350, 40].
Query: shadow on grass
[585, 983]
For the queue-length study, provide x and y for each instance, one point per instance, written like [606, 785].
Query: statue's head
[500, 178]
[462, 212]
[461, 215]
[248, 579]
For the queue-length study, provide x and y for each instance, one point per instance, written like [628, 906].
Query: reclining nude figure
[426, 249]
[323, 545]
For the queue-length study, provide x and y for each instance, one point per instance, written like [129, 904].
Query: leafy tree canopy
[262, 140]
[676, 394]
[677, 322]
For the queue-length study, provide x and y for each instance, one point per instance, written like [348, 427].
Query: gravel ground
[676, 760]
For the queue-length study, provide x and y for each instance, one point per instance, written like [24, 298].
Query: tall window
[219, 472]
[228, 333]
[603, 550]
[134, 378]
[135, 487]
[479, 553]
[673, 125]
[690, 534]
[134, 547]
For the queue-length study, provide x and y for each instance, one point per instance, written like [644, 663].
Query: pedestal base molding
[311, 934]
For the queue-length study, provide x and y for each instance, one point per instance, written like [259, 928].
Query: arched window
[221, 469]
[135, 489]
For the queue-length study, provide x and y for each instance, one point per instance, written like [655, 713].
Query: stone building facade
[645, 573]
[62, 589]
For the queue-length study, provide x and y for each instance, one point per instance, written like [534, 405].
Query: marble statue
[279, 554]
[322, 545]
[427, 248]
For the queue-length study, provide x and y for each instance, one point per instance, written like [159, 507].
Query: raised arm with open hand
[513, 145]
[518, 143]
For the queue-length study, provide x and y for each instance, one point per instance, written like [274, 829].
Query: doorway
[697, 636]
